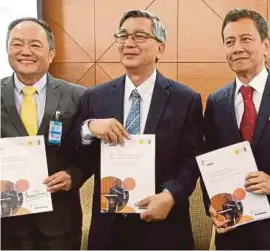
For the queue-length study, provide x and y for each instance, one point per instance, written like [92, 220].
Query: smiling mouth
[237, 59]
[130, 54]
[26, 61]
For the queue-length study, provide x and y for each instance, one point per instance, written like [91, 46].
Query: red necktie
[248, 121]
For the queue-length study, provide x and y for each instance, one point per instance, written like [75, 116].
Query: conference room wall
[87, 53]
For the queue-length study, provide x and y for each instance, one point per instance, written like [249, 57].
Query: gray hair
[43, 24]
[236, 14]
[158, 28]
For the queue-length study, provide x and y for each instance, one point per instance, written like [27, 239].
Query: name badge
[55, 133]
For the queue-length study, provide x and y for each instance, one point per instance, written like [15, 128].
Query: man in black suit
[10, 200]
[171, 111]
[31, 49]
[122, 195]
[119, 192]
[241, 111]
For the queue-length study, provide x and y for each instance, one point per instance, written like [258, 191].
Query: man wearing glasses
[171, 111]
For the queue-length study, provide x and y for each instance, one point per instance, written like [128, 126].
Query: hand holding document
[127, 174]
[258, 182]
[157, 206]
[23, 170]
[224, 172]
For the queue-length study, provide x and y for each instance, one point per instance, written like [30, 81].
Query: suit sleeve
[85, 158]
[191, 140]
[210, 144]
[84, 112]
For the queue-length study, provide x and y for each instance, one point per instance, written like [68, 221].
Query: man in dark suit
[241, 111]
[171, 111]
[10, 200]
[31, 49]
[121, 195]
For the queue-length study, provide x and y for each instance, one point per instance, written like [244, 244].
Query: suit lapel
[9, 103]
[160, 96]
[231, 115]
[263, 115]
[53, 97]
[116, 99]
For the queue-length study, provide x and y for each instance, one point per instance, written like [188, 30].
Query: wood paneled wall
[87, 55]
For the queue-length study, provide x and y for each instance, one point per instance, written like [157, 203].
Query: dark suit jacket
[175, 117]
[65, 98]
[221, 130]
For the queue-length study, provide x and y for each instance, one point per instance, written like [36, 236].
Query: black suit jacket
[175, 117]
[63, 97]
[221, 130]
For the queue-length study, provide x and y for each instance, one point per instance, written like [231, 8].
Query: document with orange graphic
[224, 172]
[127, 174]
[23, 170]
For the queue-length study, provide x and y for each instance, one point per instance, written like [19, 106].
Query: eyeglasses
[137, 37]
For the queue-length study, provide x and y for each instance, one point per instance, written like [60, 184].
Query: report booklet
[127, 174]
[224, 172]
[23, 170]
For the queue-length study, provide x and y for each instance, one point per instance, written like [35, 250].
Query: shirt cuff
[165, 190]
[86, 134]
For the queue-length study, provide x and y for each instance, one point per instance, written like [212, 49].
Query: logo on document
[144, 141]
[237, 151]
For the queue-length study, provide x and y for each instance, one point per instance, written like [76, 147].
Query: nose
[26, 50]
[129, 42]
[237, 47]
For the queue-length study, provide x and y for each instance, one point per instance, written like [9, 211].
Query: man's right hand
[219, 223]
[109, 130]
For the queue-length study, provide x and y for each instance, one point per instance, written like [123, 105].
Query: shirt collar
[39, 85]
[258, 82]
[145, 89]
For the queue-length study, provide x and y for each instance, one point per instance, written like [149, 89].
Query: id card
[55, 132]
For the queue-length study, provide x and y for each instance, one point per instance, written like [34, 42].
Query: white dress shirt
[258, 83]
[40, 96]
[145, 89]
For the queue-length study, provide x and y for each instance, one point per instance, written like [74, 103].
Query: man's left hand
[258, 182]
[60, 181]
[157, 206]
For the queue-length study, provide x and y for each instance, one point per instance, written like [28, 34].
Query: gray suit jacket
[63, 97]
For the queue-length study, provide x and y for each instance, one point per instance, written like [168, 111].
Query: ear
[266, 43]
[51, 55]
[161, 49]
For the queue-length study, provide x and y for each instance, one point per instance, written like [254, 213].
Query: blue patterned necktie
[134, 116]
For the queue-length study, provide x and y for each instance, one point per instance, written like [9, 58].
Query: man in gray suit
[31, 49]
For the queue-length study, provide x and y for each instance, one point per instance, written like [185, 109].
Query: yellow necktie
[29, 110]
